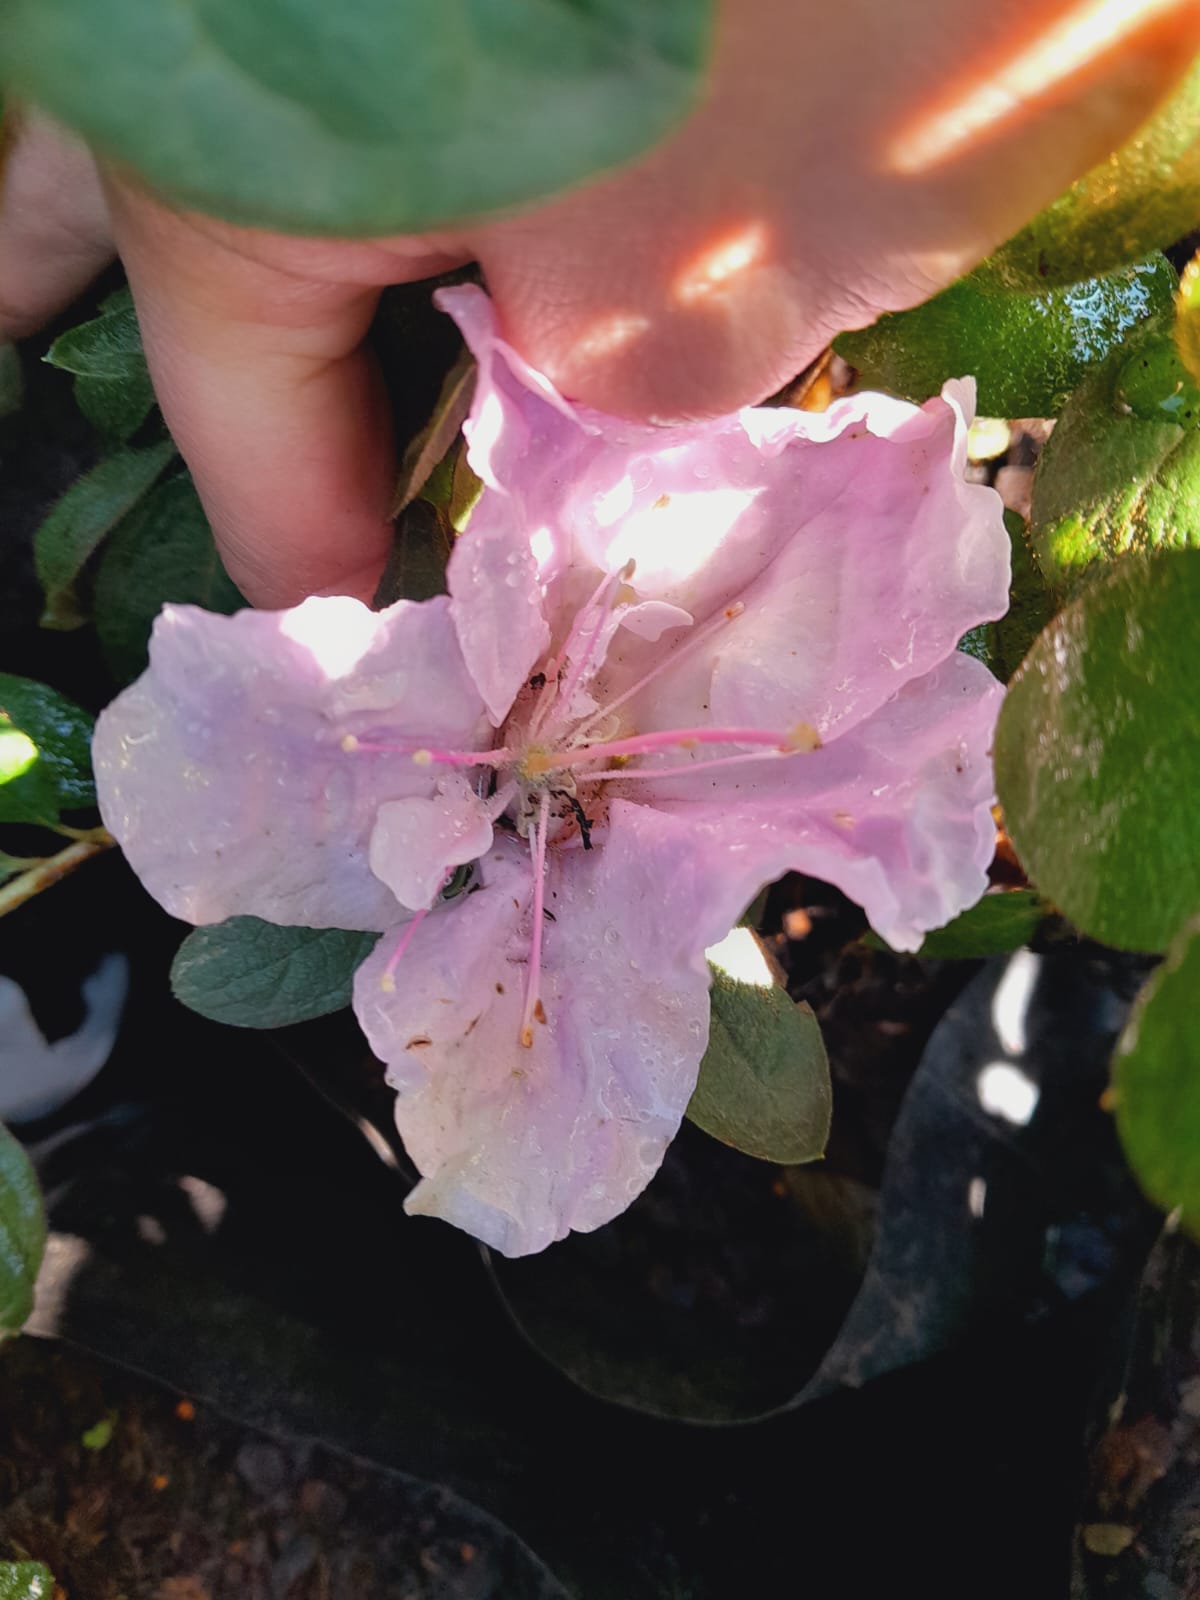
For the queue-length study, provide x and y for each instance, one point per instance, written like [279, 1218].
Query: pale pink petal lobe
[519, 1145]
[224, 772]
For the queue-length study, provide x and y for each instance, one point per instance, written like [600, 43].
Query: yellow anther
[349, 744]
[536, 763]
[802, 738]
[387, 983]
[422, 758]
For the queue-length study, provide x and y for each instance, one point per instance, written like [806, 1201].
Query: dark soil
[126, 1490]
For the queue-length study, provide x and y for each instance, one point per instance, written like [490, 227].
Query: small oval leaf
[1026, 352]
[254, 974]
[78, 524]
[45, 753]
[22, 1234]
[1156, 1074]
[1002, 921]
[163, 551]
[1120, 474]
[764, 1081]
[1098, 755]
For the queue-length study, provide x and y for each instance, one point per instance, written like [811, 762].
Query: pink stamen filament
[686, 768]
[387, 981]
[537, 846]
[430, 755]
[641, 744]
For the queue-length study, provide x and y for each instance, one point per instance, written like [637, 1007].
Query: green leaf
[1002, 921]
[421, 546]
[1098, 755]
[1156, 1075]
[1142, 198]
[1026, 352]
[370, 117]
[1003, 645]
[45, 761]
[22, 1234]
[79, 523]
[112, 381]
[1187, 319]
[25, 1580]
[163, 551]
[254, 974]
[764, 1081]
[107, 346]
[1118, 475]
[12, 384]
[99, 1435]
[433, 445]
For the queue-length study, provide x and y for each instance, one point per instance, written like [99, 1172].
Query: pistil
[537, 848]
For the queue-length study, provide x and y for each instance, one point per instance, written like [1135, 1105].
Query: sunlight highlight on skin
[1077, 40]
[608, 335]
[719, 266]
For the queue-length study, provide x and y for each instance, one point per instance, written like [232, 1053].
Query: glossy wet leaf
[163, 551]
[25, 1580]
[1026, 352]
[1098, 755]
[764, 1081]
[22, 1234]
[1143, 197]
[79, 523]
[1156, 1075]
[112, 380]
[1113, 480]
[1003, 645]
[1000, 922]
[366, 117]
[45, 761]
[255, 974]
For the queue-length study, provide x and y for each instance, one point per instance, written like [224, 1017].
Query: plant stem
[44, 874]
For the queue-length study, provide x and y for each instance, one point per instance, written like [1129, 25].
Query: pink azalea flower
[672, 665]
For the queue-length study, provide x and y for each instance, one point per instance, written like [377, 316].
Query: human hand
[849, 159]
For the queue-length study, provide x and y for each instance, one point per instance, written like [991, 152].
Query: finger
[273, 400]
[54, 228]
[791, 207]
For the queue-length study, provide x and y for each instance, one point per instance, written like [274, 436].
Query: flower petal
[417, 839]
[896, 814]
[520, 1145]
[222, 771]
[496, 602]
[854, 543]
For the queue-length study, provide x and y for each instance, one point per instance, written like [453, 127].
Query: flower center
[547, 777]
